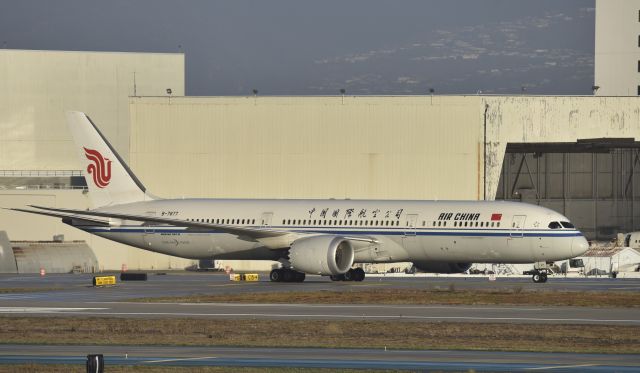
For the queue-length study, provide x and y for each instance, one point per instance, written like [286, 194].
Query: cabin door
[517, 226]
[149, 229]
[518, 248]
[409, 240]
[265, 219]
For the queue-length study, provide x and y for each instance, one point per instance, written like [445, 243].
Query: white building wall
[617, 49]
[540, 119]
[407, 147]
[309, 147]
[38, 87]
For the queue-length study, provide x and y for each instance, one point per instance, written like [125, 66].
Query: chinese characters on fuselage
[362, 213]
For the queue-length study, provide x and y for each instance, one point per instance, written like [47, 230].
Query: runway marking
[562, 367]
[236, 284]
[182, 359]
[46, 309]
[300, 305]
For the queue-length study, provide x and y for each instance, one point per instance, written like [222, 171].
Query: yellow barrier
[244, 277]
[104, 280]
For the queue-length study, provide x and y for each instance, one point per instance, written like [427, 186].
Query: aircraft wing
[272, 238]
[60, 215]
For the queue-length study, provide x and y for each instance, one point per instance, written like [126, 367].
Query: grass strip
[320, 333]
[27, 290]
[447, 296]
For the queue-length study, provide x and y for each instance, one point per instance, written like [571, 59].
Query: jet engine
[323, 255]
[442, 267]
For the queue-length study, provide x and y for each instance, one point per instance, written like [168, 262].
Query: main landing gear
[354, 274]
[286, 275]
[539, 276]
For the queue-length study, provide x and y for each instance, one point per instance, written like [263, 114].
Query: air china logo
[100, 169]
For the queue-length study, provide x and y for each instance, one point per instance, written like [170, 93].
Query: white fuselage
[438, 231]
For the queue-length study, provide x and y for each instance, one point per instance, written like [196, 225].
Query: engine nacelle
[442, 267]
[322, 255]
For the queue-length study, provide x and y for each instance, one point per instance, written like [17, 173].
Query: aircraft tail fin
[108, 177]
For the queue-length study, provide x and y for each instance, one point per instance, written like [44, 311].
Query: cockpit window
[566, 224]
[555, 225]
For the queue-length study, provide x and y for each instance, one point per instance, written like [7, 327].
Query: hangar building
[577, 155]
[617, 48]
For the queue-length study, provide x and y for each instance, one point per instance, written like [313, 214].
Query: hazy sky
[299, 47]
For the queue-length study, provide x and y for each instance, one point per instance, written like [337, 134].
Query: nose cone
[579, 246]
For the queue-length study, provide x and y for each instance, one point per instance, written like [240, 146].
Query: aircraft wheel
[288, 275]
[349, 275]
[300, 276]
[337, 277]
[543, 277]
[358, 274]
[536, 278]
[275, 275]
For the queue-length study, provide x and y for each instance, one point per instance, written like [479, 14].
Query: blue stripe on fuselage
[393, 232]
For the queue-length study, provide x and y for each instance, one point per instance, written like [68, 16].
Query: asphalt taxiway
[66, 295]
[72, 295]
[495, 314]
[321, 358]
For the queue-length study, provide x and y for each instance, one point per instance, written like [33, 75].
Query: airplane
[310, 236]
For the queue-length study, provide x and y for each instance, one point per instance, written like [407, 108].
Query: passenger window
[555, 225]
[444, 224]
[497, 224]
[492, 224]
[439, 223]
[253, 221]
[434, 223]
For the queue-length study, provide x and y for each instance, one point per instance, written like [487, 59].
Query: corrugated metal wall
[38, 87]
[308, 147]
[54, 257]
[600, 193]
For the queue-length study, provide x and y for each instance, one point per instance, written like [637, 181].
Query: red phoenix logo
[100, 169]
